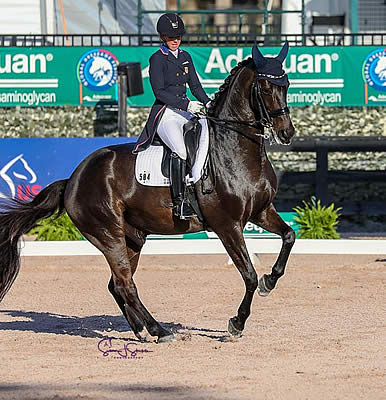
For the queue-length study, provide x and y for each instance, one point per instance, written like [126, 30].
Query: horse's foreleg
[270, 220]
[234, 243]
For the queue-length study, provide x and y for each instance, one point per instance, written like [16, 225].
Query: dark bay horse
[116, 213]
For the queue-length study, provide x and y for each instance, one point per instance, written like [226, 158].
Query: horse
[116, 213]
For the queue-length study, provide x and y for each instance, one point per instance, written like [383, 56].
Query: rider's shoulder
[157, 56]
[184, 53]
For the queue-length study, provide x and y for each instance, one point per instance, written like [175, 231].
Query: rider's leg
[170, 130]
[182, 207]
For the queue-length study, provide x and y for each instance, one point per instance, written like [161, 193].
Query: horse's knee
[251, 282]
[290, 237]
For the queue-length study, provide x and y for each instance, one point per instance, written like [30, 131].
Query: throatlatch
[182, 208]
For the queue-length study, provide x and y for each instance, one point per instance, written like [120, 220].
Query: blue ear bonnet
[271, 68]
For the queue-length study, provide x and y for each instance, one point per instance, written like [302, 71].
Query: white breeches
[170, 129]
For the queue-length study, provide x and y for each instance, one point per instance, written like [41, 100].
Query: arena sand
[320, 335]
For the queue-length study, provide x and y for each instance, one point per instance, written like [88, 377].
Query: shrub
[56, 228]
[317, 221]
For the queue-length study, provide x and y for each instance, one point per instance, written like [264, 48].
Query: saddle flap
[192, 134]
[152, 165]
[165, 163]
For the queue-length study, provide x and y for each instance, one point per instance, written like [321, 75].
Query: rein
[265, 120]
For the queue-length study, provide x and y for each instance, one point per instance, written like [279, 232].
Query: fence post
[321, 175]
[122, 100]
[139, 22]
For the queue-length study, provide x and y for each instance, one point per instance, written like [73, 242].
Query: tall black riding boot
[182, 208]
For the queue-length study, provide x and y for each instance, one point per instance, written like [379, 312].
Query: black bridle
[259, 108]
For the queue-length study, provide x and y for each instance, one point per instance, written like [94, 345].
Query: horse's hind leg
[132, 318]
[123, 262]
[270, 220]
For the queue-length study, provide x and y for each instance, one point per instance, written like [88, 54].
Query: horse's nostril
[284, 133]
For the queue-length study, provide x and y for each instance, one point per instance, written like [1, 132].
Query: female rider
[170, 69]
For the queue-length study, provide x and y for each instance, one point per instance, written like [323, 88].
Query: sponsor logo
[24, 63]
[320, 63]
[97, 70]
[295, 63]
[374, 70]
[19, 178]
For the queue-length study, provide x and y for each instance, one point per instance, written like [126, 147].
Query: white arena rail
[210, 246]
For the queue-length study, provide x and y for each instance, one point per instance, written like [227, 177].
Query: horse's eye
[268, 92]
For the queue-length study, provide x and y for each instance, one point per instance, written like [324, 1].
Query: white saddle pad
[148, 164]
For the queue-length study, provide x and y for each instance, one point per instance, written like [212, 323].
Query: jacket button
[177, 74]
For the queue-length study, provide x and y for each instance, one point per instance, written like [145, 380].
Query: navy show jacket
[168, 78]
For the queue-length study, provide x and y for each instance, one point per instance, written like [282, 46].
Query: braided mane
[227, 83]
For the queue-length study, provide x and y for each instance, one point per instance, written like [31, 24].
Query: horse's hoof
[167, 339]
[262, 289]
[236, 333]
[144, 336]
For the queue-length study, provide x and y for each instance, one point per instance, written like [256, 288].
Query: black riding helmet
[170, 25]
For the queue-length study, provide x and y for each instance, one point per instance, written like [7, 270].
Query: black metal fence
[322, 176]
[196, 39]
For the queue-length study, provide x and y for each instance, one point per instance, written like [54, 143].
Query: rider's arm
[195, 85]
[157, 70]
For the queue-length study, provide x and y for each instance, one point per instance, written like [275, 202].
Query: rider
[170, 69]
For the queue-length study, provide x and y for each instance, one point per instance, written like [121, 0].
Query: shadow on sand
[95, 326]
[103, 392]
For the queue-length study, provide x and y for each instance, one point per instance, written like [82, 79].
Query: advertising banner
[52, 76]
[29, 165]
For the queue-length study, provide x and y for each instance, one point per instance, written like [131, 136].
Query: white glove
[195, 107]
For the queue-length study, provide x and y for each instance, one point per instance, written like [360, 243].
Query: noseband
[258, 106]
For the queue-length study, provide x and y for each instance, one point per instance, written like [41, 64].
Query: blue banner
[29, 165]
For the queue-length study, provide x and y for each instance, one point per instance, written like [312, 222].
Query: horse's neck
[227, 143]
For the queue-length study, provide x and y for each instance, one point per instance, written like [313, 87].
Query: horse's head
[101, 71]
[15, 171]
[380, 69]
[270, 94]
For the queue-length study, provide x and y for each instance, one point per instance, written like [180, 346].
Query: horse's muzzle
[285, 135]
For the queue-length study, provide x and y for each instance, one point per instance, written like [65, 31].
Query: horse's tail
[17, 218]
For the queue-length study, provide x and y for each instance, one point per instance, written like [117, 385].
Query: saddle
[192, 133]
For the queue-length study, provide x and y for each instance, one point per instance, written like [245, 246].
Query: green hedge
[308, 121]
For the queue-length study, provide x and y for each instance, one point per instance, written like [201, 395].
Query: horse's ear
[258, 58]
[283, 52]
